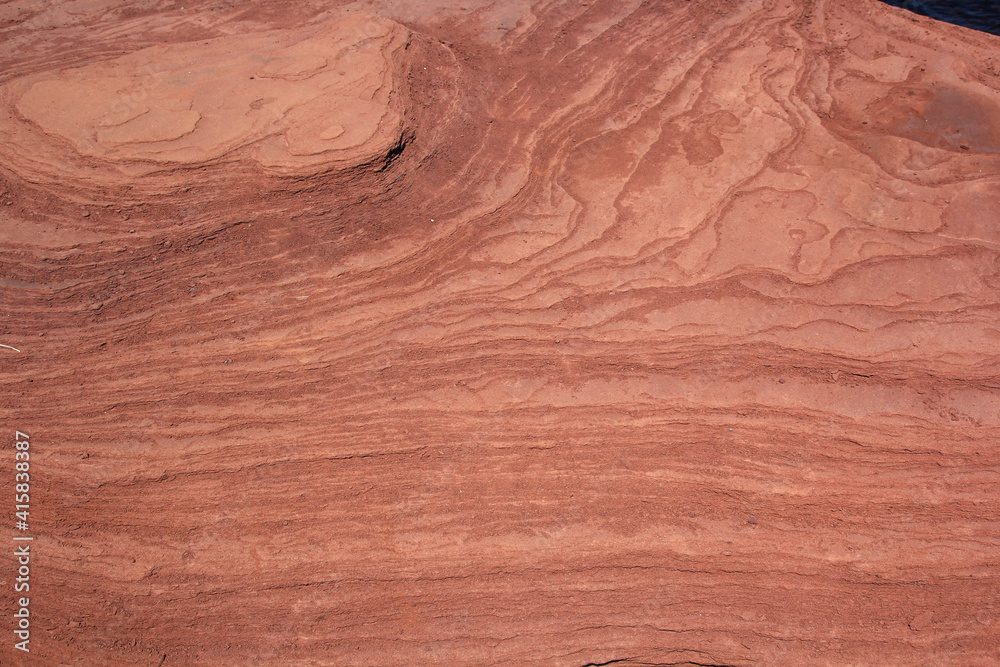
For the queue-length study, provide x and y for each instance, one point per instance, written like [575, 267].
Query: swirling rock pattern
[555, 333]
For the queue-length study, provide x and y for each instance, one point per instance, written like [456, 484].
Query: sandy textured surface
[529, 333]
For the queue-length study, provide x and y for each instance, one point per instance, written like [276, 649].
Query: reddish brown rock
[433, 333]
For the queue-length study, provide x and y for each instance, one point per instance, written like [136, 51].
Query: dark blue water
[981, 15]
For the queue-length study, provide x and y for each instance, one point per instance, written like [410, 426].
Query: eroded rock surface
[645, 333]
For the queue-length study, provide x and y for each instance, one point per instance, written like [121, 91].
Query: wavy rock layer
[532, 333]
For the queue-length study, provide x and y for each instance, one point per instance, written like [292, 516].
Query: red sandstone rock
[564, 333]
